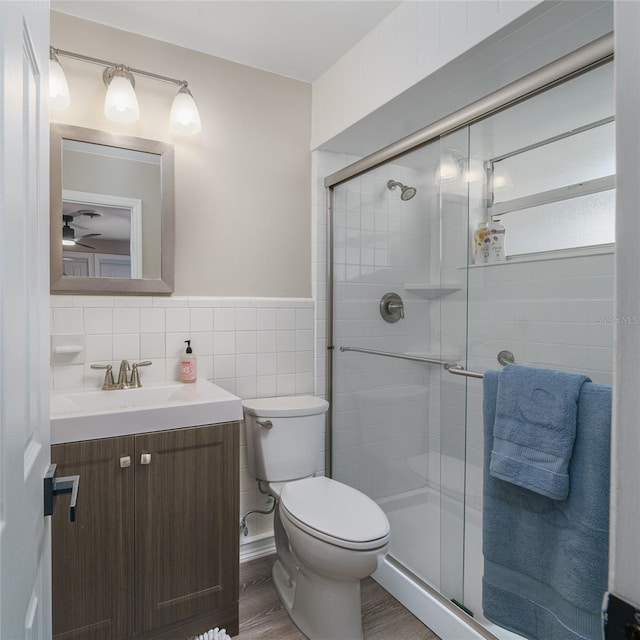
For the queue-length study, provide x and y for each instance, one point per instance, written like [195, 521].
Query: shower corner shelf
[431, 291]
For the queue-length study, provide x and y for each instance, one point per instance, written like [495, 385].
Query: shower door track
[591, 55]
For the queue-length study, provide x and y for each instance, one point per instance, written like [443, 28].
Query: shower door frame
[582, 60]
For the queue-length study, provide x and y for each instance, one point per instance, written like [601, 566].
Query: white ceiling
[296, 38]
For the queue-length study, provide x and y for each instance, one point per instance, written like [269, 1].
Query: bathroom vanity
[153, 552]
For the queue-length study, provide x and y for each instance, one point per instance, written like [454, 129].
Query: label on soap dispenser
[188, 370]
[496, 246]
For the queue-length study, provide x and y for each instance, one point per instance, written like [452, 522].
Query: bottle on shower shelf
[496, 242]
[481, 242]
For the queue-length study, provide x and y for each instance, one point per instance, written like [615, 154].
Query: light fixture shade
[501, 178]
[448, 168]
[58, 87]
[184, 119]
[121, 103]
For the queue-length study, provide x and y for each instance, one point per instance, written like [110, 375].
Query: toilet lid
[335, 510]
[285, 406]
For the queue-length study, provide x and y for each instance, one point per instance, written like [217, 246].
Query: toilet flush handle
[267, 424]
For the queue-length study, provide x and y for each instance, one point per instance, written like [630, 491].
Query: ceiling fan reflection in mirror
[69, 233]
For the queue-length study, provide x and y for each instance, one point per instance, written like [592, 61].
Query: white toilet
[328, 535]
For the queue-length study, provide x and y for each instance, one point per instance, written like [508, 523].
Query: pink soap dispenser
[188, 365]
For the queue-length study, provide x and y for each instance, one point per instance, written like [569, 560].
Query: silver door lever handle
[55, 486]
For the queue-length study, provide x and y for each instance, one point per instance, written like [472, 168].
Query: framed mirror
[111, 212]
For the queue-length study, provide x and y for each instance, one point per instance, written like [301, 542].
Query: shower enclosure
[415, 317]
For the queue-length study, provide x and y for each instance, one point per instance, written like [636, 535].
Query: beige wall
[243, 201]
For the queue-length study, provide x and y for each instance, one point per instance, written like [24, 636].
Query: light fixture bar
[121, 103]
[107, 63]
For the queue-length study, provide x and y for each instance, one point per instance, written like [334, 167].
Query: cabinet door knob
[145, 458]
[125, 462]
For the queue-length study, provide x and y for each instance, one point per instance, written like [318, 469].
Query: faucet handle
[135, 375]
[108, 383]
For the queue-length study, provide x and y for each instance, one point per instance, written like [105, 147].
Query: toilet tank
[289, 449]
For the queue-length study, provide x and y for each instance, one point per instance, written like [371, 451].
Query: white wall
[411, 43]
[242, 192]
[427, 59]
[625, 493]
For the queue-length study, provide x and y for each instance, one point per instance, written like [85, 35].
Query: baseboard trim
[257, 547]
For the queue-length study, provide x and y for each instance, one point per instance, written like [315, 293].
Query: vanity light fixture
[121, 103]
[58, 87]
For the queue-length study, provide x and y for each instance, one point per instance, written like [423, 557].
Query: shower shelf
[431, 291]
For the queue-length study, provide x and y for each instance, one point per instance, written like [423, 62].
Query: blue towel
[545, 561]
[535, 428]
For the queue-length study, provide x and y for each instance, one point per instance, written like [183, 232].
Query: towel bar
[504, 358]
[402, 356]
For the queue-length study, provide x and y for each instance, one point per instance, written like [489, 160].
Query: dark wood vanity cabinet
[153, 553]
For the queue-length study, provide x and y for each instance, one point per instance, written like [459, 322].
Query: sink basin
[84, 414]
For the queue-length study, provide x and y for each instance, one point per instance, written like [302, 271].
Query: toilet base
[322, 609]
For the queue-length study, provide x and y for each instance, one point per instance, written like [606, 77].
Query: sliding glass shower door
[415, 307]
[543, 170]
[386, 423]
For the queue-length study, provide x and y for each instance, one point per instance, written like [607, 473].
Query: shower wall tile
[253, 347]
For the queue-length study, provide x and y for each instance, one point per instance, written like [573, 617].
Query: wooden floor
[263, 616]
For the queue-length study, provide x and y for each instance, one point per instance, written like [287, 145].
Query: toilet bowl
[328, 535]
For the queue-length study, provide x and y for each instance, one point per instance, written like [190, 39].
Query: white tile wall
[254, 347]
[411, 43]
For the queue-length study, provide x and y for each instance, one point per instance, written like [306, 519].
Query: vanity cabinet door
[186, 523]
[92, 558]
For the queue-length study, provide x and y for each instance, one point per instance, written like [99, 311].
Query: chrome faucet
[123, 383]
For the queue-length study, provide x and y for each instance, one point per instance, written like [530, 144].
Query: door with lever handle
[55, 486]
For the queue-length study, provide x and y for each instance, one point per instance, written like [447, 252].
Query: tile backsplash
[253, 347]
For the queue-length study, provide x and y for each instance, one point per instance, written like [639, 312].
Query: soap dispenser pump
[188, 365]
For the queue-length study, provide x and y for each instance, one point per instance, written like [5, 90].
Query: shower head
[407, 192]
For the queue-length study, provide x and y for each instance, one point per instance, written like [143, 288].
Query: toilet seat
[335, 513]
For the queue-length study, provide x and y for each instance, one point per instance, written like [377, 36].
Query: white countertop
[87, 414]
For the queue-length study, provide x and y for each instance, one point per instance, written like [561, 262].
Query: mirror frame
[61, 284]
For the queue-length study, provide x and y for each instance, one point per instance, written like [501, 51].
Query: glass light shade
[121, 103]
[58, 87]
[68, 243]
[501, 178]
[473, 171]
[184, 119]
[448, 168]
